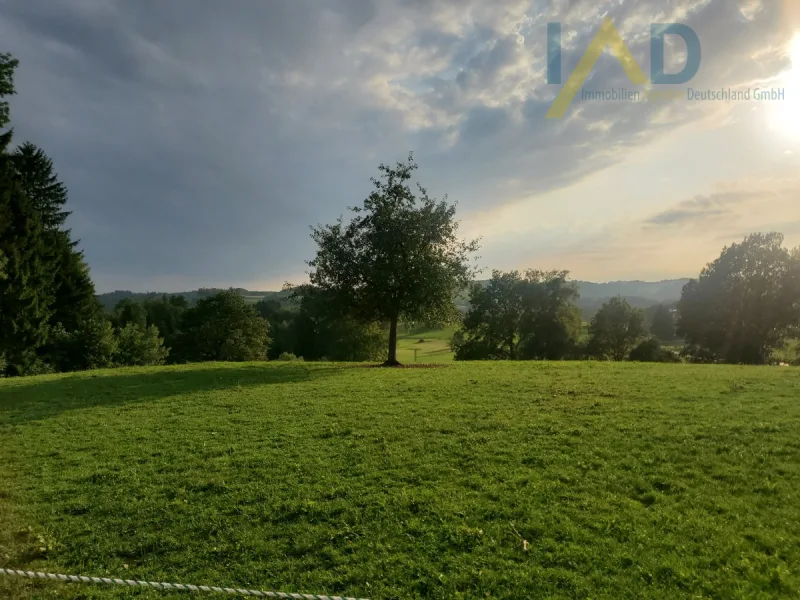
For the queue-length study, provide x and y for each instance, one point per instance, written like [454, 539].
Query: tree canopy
[744, 304]
[616, 329]
[515, 317]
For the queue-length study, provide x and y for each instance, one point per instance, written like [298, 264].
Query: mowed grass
[432, 346]
[486, 480]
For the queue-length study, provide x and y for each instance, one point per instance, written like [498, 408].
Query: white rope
[184, 587]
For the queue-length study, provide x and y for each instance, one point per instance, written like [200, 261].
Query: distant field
[432, 346]
[480, 480]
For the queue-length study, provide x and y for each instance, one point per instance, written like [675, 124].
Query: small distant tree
[663, 324]
[399, 257]
[616, 329]
[137, 346]
[223, 327]
[745, 304]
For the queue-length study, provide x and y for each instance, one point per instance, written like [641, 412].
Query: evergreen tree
[41, 184]
[7, 66]
[27, 291]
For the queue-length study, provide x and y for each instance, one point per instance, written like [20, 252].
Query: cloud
[702, 208]
[199, 139]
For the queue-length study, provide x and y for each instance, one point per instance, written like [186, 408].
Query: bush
[289, 357]
[652, 351]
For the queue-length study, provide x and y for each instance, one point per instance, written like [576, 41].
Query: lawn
[432, 346]
[487, 480]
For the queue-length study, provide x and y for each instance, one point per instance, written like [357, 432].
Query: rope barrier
[182, 587]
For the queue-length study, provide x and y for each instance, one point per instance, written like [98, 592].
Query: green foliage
[91, 346]
[289, 357]
[615, 330]
[318, 331]
[222, 327]
[41, 184]
[513, 317]
[627, 481]
[27, 290]
[745, 304]
[662, 324]
[399, 256]
[74, 301]
[129, 312]
[139, 346]
[7, 66]
[651, 350]
[166, 312]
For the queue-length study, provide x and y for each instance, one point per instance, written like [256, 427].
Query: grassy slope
[434, 349]
[627, 481]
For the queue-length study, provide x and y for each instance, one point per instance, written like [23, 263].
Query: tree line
[398, 259]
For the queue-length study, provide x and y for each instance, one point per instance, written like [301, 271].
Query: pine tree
[7, 66]
[41, 184]
[26, 292]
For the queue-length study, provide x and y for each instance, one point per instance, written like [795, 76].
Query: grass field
[432, 346]
[504, 480]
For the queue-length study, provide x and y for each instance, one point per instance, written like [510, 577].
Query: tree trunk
[392, 361]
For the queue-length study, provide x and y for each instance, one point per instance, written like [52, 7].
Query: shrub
[289, 357]
[651, 350]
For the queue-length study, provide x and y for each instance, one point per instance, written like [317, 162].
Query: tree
[41, 184]
[91, 346]
[137, 346]
[282, 327]
[7, 66]
[552, 323]
[492, 324]
[744, 305]
[663, 323]
[399, 256]
[74, 301]
[166, 313]
[223, 327]
[616, 329]
[27, 290]
[129, 311]
[513, 317]
[319, 332]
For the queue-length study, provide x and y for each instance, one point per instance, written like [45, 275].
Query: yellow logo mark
[607, 37]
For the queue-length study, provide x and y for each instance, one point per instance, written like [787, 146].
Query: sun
[785, 115]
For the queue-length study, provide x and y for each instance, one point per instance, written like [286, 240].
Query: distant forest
[639, 294]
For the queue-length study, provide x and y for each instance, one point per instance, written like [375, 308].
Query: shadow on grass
[39, 398]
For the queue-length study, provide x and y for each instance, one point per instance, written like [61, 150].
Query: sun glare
[786, 114]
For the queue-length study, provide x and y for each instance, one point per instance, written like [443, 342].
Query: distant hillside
[659, 291]
[110, 299]
[640, 294]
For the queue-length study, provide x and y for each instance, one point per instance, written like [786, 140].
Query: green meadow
[484, 480]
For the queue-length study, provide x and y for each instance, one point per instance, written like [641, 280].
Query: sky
[200, 139]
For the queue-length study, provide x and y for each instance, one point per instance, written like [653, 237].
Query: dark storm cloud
[199, 139]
